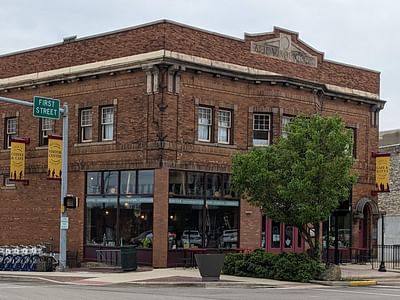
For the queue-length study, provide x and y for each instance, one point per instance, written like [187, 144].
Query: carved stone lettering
[282, 48]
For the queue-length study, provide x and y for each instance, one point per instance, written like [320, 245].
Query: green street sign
[46, 108]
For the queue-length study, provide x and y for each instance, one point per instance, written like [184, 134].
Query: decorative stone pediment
[283, 48]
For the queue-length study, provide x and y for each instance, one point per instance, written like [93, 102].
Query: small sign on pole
[64, 223]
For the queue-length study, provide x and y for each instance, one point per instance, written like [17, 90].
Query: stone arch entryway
[365, 216]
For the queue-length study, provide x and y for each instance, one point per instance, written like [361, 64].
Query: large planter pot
[210, 265]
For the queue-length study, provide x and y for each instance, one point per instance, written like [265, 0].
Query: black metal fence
[391, 256]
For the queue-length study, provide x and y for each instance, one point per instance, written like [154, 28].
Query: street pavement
[352, 275]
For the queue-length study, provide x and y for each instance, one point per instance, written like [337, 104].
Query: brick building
[156, 112]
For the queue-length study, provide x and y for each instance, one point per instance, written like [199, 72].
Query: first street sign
[46, 108]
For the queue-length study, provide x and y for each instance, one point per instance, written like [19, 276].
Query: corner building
[156, 113]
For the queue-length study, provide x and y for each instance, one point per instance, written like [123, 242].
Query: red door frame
[295, 239]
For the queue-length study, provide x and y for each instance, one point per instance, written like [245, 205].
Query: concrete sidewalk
[351, 275]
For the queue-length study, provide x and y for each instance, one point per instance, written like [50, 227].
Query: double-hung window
[204, 124]
[107, 123]
[46, 128]
[261, 129]
[224, 126]
[86, 125]
[11, 131]
[285, 121]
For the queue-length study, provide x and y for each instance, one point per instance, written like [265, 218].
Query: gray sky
[358, 32]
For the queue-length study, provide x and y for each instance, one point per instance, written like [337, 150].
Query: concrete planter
[210, 265]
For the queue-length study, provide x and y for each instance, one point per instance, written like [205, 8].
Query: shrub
[283, 266]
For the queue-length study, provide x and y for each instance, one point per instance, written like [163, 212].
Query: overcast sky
[358, 32]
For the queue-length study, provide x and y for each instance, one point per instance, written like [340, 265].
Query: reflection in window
[213, 185]
[93, 183]
[128, 182]
[195, 184]
[177, 183]
[101, 220]
[110, 182]
[145, 181]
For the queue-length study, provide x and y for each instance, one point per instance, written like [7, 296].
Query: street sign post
[44, 107]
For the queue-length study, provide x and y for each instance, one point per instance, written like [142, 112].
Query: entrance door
[365, 228]
[281, 237]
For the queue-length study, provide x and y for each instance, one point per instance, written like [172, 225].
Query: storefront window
[288, 236]
[115, 213]
[136, 219]
[199, 214]
[128, 182]
[276, 235]
[101, 216]
[213, 185]
[195, 184]
[110, 182]
[177, 183]
[145, 182]
[93, 183]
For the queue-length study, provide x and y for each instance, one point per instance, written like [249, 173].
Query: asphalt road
[36, 291]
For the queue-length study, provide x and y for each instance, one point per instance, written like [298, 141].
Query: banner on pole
[17, 159]
[54, 157]
[382, 175]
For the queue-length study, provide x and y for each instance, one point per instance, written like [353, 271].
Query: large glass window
[276, 234]
[261, 129]
[107, 123]
[11, 131]
[224, 127]
[204, 124]
[119, 208]
[202, 210]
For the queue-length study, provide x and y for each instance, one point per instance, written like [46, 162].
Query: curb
[202, 284]
[345, 282]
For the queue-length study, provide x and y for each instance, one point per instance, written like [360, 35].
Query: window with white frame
[285, 121]
[261, 129]
[224, 126]
[11, 131]
[86, 125]
[8, 182]
[46, 128]
[204, 124]
[352, 147]
[107, 123]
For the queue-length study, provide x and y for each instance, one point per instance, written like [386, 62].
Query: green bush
[283, 266]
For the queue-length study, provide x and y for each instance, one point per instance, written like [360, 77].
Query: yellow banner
[54, 158]
[382, 173]
[17, 161]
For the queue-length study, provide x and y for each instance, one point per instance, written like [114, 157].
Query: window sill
[234, 146]
[5, 150]
[8, 188]
[94, 144]
[44, 147]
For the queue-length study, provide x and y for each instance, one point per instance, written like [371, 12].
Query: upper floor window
[11, 131]
[285, 121]
[204, 124]
[86, 125]
[261, 129]
[352, 147]
[107, 123]
[46, 128]
[224, 126]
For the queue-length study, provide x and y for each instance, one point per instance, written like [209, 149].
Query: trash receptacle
[128, 258]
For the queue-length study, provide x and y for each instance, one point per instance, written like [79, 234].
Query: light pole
[382, 267]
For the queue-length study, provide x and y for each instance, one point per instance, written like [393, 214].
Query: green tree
[301, 179]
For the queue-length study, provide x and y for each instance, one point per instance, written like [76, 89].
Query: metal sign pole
[64, 189]
[64, 176]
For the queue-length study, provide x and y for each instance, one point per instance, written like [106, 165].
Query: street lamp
[382, 267]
